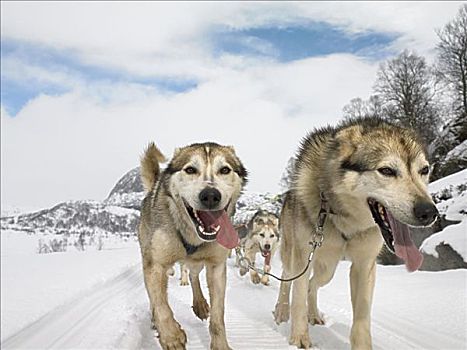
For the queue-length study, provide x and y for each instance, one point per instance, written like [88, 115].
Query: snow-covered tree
[284, 183]
[452, 59]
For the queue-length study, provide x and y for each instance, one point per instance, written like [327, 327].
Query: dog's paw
[172, 337]
[316, 319]
[243, 271]
[255, 278]
[301, 341]
[281, 313]
[201, 309]
[220, 345]
[184, 283]
[265, 280]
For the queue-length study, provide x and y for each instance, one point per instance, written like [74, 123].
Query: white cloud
[76, 146]
[163, 38]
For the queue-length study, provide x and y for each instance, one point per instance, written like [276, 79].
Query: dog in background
[370, 178]
[262, 236]
[185, 216]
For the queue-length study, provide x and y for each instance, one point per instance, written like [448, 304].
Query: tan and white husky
[185, 217]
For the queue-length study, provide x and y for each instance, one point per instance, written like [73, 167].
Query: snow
[33, 284]
[454, 235]
[97, 299]
[450, 194]
[458, 152]
[454, 179]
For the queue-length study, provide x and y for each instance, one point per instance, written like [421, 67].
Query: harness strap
[189, 248]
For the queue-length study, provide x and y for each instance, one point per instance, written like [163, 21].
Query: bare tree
[358, 107]
[407, 89]
[452, 59]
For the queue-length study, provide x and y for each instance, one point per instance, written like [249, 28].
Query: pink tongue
[404, 246]
[267, 258]
[227, 235]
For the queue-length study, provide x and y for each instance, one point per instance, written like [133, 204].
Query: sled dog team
[367, 176]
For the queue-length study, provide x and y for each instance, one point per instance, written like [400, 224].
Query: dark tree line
[430, 99]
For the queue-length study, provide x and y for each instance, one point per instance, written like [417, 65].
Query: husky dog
[370, 179]
[185, 217]
[262, 237]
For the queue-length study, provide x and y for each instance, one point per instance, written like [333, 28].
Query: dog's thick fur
[263, 237]
[165, 224]
[346, 165]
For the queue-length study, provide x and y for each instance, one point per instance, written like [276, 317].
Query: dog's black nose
[210, 197]
[425, 212]
[267, 246]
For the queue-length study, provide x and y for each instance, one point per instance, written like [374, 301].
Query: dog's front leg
[362, 282]
[265, 278]
[299, 335]
[281, 312]
[216, 277]
[171, 335]
[251, 255]
[200, 305]
[183, 275]
[299, 328]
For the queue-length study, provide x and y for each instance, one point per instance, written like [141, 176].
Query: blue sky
[302, 41]
[17, 91]
[279, 43]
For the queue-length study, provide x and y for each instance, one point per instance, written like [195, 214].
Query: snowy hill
[117, 215]
[128, 192]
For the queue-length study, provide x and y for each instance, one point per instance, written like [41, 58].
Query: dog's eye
[386, 171]
[225, 170]
[260, 222]
[190, 170]
[271, 236]
[262, 235]
[425, 170]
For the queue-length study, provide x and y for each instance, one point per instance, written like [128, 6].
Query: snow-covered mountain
[128, 192]
[118, 214]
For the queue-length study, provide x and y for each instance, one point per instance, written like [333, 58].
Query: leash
[316, 242]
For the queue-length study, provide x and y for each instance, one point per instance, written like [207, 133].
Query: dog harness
[189, 248]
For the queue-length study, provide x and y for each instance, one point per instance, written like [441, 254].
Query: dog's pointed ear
[176, 151]
[348, 139]
[231, 148]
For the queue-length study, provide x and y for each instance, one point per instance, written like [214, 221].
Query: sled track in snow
[76, 323]
[115, 314]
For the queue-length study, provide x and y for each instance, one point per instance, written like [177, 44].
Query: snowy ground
[96, 299]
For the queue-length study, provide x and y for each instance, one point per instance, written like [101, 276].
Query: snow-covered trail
[114, 314]
[84, 321]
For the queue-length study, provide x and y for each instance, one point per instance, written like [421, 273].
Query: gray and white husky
[370, 177]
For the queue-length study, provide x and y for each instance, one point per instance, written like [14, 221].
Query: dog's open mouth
[396, 235]
[266, 255]
[214, 225]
